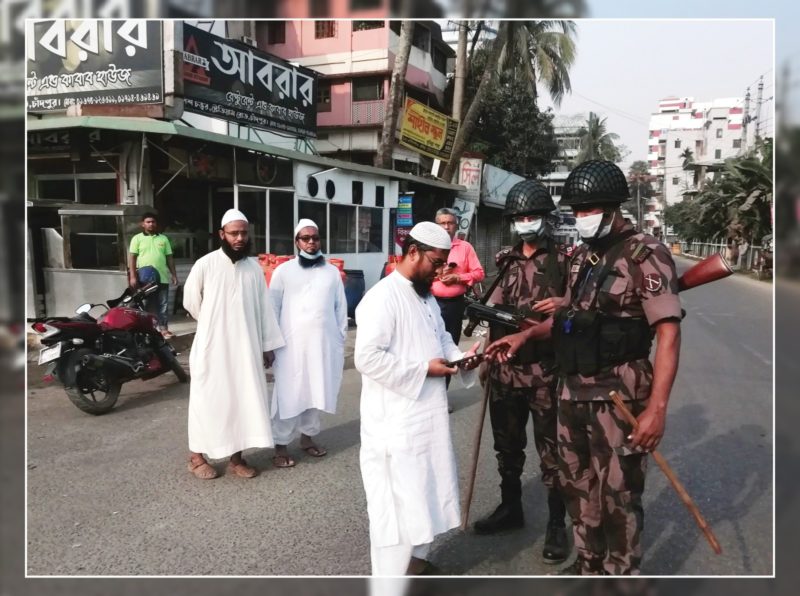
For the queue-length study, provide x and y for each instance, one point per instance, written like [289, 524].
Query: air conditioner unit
[249, 40]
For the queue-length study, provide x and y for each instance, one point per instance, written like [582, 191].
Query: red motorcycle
[93, 357]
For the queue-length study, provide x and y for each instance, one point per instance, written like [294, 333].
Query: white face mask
[589, 225]
[307, 255]
[528, 228]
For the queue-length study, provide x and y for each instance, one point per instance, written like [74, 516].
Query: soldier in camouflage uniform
[532, 270]
[622, 291]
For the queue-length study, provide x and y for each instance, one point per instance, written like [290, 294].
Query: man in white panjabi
[309, 301]
[407, 462]
[237, 331]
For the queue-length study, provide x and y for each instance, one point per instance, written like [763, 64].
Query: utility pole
[745, 119]
[758, 108]
[461, 69]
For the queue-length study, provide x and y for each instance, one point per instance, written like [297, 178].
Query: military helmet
[529, 197]
[595, 182]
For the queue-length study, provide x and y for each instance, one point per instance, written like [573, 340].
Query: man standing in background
[152, 250]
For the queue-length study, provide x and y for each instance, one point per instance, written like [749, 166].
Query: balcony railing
[368, 112]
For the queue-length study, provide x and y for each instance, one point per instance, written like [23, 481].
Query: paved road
[111, 495]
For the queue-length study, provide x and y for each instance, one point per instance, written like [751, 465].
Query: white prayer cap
[232, 215]
[304, 223]
[431, 234]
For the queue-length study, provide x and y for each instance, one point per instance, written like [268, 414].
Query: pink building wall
[298, 9]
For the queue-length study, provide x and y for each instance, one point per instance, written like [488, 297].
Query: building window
[370, 229]
[319, 8]
[365, 4]
[323, 96]
[737, 143]
[718, 154]
[675, 181]
[367, 89]
[439, 60]
[379, 196]
[343, 229]
[276, 32]
[93, 242]
[281, 222]
[677, 143]
[719, 133]
[317, 212]
[421, 38]
[323, 29]
[367, 25]
[358, 192]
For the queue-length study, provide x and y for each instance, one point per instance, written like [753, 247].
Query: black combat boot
[555, 540]
[507, 516]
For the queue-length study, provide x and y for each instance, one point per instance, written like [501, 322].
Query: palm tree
[543, 50]
[383, 158]
[596, 141]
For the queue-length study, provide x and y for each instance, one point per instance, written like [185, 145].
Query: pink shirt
[468, 267]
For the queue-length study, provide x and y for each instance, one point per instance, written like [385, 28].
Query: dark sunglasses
[308, 238]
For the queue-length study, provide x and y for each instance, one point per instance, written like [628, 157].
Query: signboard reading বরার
[93, 62]
[427, 131]
[233, 81]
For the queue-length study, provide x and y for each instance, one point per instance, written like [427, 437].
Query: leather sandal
[202, 470]
[242, 470]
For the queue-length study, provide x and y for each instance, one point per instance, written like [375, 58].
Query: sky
[624, 67]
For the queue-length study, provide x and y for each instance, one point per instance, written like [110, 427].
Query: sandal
[202, 470]
[242, 470]
[315, 450]
[283, 461]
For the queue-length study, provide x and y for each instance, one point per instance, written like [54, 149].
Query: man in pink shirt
[462, 271]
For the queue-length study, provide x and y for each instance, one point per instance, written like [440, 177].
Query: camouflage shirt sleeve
[656, 283]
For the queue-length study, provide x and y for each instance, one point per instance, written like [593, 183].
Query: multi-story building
[355, 61]
[702, 133]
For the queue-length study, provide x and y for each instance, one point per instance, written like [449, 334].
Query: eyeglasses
[437, 264]
[308, 238]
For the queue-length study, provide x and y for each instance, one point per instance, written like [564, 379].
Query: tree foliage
[735, 203]
[511, 131]
[597, 142]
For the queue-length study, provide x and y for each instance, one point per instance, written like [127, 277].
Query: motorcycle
[93, 357]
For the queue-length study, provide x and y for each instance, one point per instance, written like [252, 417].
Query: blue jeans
[158, 304]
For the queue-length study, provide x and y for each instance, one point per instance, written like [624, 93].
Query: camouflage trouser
[509, 416]
[602, 483]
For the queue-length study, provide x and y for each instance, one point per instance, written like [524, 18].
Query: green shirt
[152, 251]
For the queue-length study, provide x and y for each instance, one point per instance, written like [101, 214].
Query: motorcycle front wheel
[168, 358]
[93, 393]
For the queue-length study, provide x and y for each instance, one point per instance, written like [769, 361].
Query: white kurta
[228, 407]
[311, 308]
[406, 449]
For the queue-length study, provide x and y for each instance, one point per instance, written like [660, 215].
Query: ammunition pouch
[531, 351]
[587, 342]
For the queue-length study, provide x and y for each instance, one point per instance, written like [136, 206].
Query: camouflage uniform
[602, 478]
[519, 389]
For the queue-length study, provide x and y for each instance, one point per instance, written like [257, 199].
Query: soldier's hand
[651, 429]
[505, 348]
[438, 368]
[547, 306]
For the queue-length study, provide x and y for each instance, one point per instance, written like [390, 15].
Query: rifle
[709, 269]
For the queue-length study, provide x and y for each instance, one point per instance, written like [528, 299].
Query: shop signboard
[93, 62]
[427, 131]
[233, 81]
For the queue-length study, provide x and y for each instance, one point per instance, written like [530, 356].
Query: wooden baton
[676, 484]
[475, 452]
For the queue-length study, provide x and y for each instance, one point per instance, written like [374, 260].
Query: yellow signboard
[427, 131]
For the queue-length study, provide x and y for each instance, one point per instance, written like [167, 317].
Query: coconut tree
[596, 142]
[383, 158]
[543, 50]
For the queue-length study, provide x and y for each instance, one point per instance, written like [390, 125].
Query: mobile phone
[463, 360]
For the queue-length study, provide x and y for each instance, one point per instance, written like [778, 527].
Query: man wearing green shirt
[152, 250]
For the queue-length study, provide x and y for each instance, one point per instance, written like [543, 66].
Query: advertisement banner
[427, 131]
[404, 217]
[465, 210]
[231, 80]
[93, 62]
